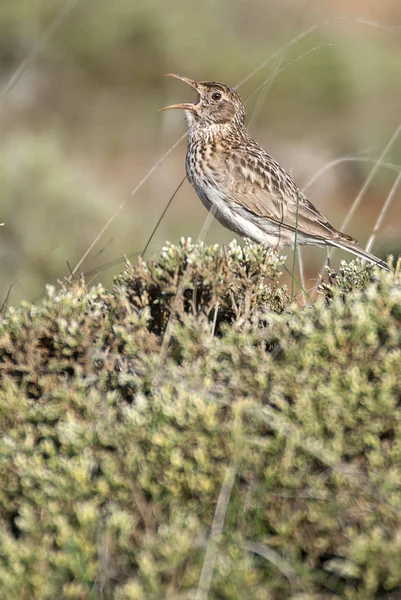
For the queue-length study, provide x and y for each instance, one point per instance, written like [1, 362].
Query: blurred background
[80, 85]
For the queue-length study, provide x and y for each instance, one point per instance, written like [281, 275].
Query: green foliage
[350, 277]
[115, 450]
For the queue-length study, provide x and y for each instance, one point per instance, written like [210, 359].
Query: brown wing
[256, 182]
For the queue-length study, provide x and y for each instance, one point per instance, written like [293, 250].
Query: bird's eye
[216, 96]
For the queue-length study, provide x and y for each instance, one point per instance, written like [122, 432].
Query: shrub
[193, 430]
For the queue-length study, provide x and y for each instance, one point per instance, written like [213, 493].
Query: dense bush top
[194, 434]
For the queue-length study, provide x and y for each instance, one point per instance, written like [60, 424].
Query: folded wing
[256, 182]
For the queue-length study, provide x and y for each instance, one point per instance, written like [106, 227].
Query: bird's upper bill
[185, 105]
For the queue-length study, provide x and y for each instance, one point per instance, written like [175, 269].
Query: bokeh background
[80, 85]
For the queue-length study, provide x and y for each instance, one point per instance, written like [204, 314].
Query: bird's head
[216, 105]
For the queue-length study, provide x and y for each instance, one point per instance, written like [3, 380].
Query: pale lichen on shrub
[111, 461]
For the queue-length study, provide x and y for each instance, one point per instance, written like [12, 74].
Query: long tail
[357, 251]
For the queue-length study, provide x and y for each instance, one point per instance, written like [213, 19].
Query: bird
[241, 184]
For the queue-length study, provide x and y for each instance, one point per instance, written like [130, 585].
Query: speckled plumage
[247, 190]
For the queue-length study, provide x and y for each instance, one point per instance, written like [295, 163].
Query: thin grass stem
[162, 215]
[133, 192]
[383, 212]
[361, 194]
[344, 159]
[302, 275]
[68, 7]
[294, 260]
[307, 32]
[369, 179]
[299, 284]
[205, 579]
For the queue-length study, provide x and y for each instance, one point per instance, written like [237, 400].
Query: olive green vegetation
[127, 416]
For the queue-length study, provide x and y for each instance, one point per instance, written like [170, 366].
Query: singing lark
[247, 190]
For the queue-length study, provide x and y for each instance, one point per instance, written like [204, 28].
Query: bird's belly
[231, 217]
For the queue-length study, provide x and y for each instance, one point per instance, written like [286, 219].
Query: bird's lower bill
[184, 106]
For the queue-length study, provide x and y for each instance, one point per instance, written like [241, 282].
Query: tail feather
[352, 247]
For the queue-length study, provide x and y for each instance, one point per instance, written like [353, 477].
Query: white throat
[203, 125]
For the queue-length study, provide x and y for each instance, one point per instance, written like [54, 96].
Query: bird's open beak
[184, 105]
